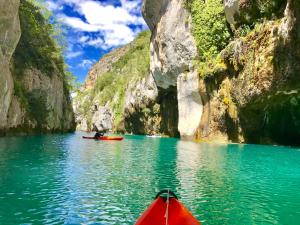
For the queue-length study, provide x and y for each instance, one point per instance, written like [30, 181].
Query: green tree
[210, 27]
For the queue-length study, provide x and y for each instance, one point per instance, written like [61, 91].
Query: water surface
[63, 179]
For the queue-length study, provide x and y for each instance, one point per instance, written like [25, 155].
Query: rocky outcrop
[190, 104]
[133, 101]
[10, 33]
[231, 11]
[47, 106]
[30, 100]
[102, 119]
[173, 50]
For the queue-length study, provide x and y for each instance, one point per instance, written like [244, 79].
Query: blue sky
[95, 27]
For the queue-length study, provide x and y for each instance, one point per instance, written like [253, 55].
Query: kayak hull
[177, 214]
[105, 138]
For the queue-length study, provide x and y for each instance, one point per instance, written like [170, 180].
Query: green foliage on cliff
[111, 86]
[253, 11]
[211, 32]
[37, 47]
[209, 27]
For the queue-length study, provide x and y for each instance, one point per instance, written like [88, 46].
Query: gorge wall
[225, 71]
[172, 51]
[118, 94]
[31, 99]
[246, 90]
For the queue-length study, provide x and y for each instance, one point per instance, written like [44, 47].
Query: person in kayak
[98, 135]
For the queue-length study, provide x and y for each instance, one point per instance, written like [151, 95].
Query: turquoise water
[63, 179]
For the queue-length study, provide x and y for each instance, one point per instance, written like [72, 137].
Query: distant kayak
[106, 138]
[167, 210]
[153, 136]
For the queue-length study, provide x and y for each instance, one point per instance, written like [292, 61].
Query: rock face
[104, 65]
[126, 89]
[45, 106]
[173, 50]
[102, 119]
[231, 10]
[189, 104]
[121, 94]
[9, 37]
[256, 98]
[142, 112]
[241, 12]
[253, 94]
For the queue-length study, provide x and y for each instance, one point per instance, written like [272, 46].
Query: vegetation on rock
[254, 11]
[37, 46]
[41, 80]
[40, 48]
[210, 30]
[111, 86]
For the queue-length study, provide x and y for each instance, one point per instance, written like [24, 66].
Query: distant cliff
[120, 95]
[34, 94]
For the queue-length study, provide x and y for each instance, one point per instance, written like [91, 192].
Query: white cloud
[98, 14]
[98, 42]
[86, 63]
[108, 21]
[71, 55]
[132, 6]
[53, 6]
[83, 39]
[79, 25]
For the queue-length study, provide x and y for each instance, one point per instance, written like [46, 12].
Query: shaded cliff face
[255, 98]
[173, 50]
[31, 99]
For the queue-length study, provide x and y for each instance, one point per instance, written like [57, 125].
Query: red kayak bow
[167, 210]
[105, 138]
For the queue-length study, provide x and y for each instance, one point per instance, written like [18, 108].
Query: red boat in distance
[105, 138]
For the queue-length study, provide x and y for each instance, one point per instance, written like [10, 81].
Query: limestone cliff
[9, 37]
[218, 70]
[31, 100]
[173, 50]
[237, 84]
[120, 94]
[100, 104]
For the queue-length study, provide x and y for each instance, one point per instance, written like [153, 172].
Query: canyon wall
[250, 91]
[31, 101]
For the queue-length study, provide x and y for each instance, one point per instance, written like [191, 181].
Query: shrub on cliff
[37, 46]
[252, 11]
[210, 28]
